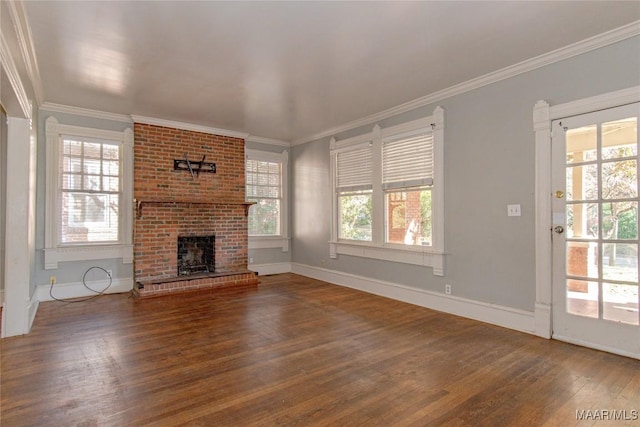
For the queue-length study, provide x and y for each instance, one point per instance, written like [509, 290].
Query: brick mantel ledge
[139, 203]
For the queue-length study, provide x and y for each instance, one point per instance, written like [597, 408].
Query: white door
[595, 230]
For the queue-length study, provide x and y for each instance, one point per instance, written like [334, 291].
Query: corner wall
[489, 163]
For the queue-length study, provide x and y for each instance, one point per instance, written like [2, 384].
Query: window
[89, 191]
[264, 186]
[388, 201]
[354, 185]
[407, 178]
[266, 179]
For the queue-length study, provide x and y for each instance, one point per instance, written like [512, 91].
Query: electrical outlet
[447, 289]
[514, 210]
[250, 260]
[52, 280]
[323, 263]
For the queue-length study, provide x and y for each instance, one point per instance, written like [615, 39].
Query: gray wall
[270, 255]
[68, 272]
[489, 163]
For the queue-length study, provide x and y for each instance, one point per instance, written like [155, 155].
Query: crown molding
[96, 114]
[269, 141]
[188, 126]
[85, 112]
[595, 103]
[22, 27]
[10, 69]
[575, 49]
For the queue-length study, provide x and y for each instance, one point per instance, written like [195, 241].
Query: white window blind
[263, 179]
[354, 169]
[408, 161]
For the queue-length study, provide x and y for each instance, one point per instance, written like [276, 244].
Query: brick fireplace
[174, 205]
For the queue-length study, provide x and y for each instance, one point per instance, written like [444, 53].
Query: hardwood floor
[297, 351]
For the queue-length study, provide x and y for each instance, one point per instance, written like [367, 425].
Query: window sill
[266, 242]
[52, 256]
[427, 257]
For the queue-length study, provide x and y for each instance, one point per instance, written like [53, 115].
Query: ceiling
[287, 70]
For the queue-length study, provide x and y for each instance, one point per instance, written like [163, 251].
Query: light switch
[513, 210]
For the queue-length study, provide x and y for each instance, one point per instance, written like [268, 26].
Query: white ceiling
[287, 70]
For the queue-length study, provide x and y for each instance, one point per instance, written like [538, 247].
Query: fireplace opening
[196, 254]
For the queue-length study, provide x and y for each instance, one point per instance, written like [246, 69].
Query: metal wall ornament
[194, 167]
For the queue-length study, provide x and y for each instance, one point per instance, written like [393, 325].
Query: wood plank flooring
[297, 352]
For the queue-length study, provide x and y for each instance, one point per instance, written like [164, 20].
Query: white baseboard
[32, 309]
[273, 268]
[543, 320]
[78, 290]
[596, 346]
[506, 317]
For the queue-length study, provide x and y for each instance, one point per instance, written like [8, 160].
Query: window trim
[53, 251]
[431, 256]
[281, 240]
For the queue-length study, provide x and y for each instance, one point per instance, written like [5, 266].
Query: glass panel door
[595, 233]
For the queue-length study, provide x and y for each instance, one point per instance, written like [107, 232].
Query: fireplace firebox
[196, 254]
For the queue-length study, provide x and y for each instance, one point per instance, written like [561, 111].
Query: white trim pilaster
[377, 196]
[51, 186]
[126, 222]
[437, 193]
[18, 311]
[334, 202]
[542, 128]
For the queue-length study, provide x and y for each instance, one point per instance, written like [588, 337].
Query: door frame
[543, 115]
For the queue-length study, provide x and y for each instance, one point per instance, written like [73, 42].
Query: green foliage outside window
[264, 219]
[425, 210]
[355, 216]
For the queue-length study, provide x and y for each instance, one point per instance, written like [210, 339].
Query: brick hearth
[172, 203]
[196, 282]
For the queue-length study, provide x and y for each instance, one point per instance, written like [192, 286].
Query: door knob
[558, 229]
[559, 194]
